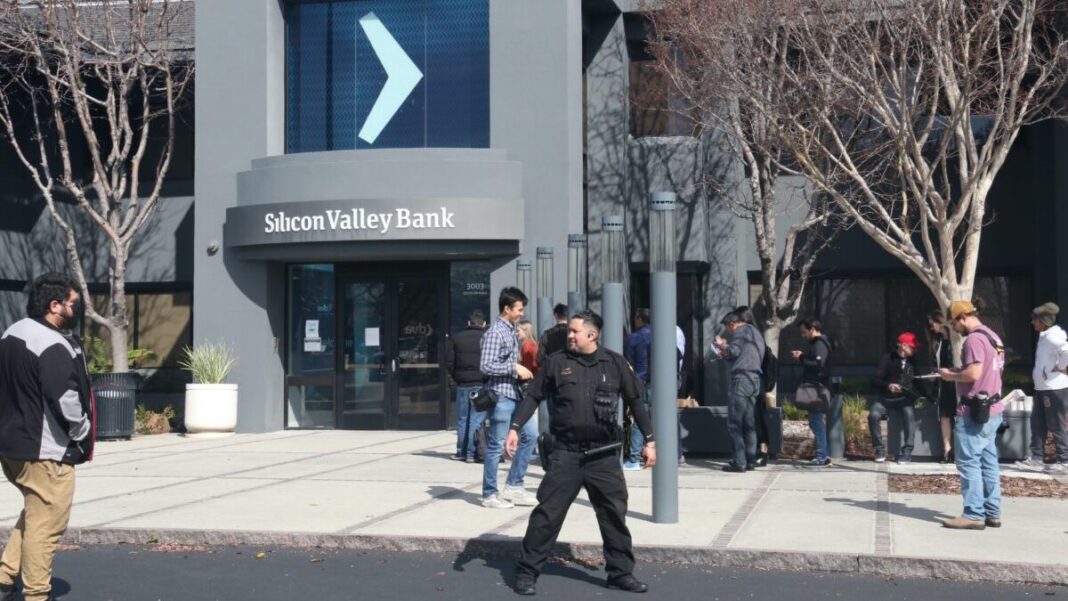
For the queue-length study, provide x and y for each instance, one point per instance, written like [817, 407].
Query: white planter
[210, 409]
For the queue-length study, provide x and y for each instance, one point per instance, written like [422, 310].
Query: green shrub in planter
[208, 362]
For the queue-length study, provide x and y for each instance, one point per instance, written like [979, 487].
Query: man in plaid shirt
[502, 372]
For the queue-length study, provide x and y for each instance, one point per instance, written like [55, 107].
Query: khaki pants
[47, 488]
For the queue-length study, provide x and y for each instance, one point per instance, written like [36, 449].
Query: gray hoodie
[745, 349]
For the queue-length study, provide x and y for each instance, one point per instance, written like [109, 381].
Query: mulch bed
[950, 485]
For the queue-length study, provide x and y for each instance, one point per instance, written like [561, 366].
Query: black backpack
[769, 368]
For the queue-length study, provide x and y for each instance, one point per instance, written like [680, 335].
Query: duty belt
[588, 448]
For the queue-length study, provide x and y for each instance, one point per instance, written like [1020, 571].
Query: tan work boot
[963, 523]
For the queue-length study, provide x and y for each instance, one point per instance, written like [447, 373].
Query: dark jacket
[552, 341]
[941, 355]
[895, 369]
[574, 381]
[46, 406]
[816, 362]
[462, 356]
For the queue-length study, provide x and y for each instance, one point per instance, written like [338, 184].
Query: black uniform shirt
[572, 381]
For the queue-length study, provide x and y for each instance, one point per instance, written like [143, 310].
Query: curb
[861, 564]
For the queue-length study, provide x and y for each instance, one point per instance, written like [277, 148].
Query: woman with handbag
[814, 392]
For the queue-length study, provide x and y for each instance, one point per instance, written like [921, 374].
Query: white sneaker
[1030, 465]
[518, 495]
[495, 502]
[1057, 469]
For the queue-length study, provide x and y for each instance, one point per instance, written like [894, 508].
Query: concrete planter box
[210, 409]
[704, 430]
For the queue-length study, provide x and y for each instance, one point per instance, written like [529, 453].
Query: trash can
[116, 396]
[1014, 436]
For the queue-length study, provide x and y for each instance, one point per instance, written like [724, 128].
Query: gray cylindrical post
[663, 366]
[612, 246]
[835, 426]
[576, 272]
[545, 313]
[524, 277]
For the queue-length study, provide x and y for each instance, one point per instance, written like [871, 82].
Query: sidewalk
[401, 491]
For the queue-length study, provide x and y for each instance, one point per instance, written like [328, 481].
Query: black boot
[524, 583]
[628, 583]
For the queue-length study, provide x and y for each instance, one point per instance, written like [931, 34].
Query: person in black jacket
[461, 360]
[894, 381]
[816, 369]
[941, 355]
[554, 339]
[46, 428]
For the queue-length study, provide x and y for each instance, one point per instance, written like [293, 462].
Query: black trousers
[602, 476]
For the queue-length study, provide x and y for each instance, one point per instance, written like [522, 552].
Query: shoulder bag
[812, 397]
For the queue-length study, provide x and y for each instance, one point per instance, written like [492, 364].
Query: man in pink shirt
[978, 381]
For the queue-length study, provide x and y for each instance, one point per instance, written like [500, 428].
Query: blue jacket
[637, 352]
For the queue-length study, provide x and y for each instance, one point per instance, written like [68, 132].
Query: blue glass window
[335, 55]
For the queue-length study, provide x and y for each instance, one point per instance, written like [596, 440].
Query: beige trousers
[47, 489]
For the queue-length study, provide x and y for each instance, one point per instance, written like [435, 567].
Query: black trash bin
[116, 396]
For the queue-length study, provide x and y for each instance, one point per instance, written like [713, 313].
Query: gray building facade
[369, 172]
[336, 258]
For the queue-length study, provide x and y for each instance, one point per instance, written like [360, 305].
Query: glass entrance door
[365, 373]
[390, 374]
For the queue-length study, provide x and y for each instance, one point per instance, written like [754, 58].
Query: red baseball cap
[909, 339]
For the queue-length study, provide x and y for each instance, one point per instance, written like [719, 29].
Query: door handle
[393, 365]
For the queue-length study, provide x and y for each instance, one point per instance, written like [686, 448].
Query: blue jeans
[977, 461]
[528, 437]
[467, 421]
[817, 420]
[634, 453]
[741, 421]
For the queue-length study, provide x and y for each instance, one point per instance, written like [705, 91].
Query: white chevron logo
[402, 75]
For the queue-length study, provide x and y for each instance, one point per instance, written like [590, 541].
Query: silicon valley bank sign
[467, 219]
[358, 219]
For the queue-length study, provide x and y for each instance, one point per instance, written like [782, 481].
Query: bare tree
[725, 59]
[905, 112]
[88, 97]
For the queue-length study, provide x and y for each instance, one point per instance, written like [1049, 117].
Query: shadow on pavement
[918, 513]
[60, 588]
[440, 493]
[495, 555]
[436, 455]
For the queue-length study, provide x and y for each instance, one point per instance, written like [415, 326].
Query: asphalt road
[160, 573]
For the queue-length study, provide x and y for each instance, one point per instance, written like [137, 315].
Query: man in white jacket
[1051, 392]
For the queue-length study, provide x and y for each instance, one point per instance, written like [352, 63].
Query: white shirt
[680, 343]
[1051, 358]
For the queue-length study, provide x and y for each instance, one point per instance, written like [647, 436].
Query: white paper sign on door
[371, 337]
[311, 328]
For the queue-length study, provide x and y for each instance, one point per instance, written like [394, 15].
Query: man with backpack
[745, 350]
[978, 380]
[769, 377]
[462, 359]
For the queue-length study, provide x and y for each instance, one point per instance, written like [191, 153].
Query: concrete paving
[402, 491]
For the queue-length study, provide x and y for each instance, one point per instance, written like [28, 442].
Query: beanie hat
[1046, 313]
[960, 307]
[908, 339]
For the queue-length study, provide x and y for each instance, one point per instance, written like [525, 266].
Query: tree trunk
[119, 319]
[773, 329]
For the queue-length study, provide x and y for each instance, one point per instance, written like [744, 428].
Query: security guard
[585, 383]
